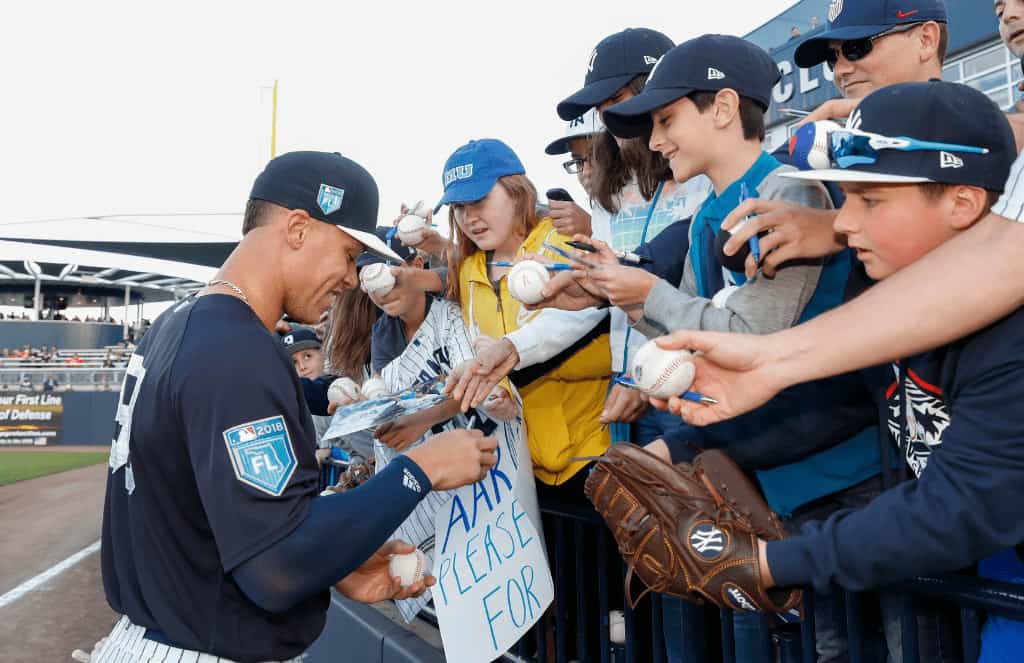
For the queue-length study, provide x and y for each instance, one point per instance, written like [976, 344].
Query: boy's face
[1010, 14]
[309, 363]
[891, 226]
[678, 129]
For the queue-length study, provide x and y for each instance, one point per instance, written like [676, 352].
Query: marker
[755, 245]
[556, 267]
[568, 256]
[692, 396]
[624, 256]
[793, 112]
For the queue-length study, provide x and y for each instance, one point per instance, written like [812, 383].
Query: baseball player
[214, 540]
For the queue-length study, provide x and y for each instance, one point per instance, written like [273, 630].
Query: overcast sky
[134, 107]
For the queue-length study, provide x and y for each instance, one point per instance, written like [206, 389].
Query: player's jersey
[212, 463]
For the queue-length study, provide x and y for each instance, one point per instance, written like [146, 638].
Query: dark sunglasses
[856, 49]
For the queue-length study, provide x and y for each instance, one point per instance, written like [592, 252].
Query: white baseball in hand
[377, 279]
[526, 281]
[374, 388]
[420, 209]
[663, 373]
[410, 229]
[343, 391]
[408, 568]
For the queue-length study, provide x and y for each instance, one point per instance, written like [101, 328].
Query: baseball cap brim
[561, 146]
[303, 345]
[592, 95]
[850, 175]
[371, 243]
[467, 191]
[814, 51]
[632, 117]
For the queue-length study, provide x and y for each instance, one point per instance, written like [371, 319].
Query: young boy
[953, 412]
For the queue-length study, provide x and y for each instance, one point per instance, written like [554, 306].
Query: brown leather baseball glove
[688, 530]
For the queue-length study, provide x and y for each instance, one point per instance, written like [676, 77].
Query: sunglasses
[857, 49]
[574, 166]
[850, 147]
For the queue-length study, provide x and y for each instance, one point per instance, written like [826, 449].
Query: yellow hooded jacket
[562, 407]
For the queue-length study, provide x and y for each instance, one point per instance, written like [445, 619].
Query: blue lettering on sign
[261, 454]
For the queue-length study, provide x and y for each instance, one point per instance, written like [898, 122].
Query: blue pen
[556, 267]
[691, 396]
[755, 245]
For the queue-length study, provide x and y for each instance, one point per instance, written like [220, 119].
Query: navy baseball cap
[330, 188]
[936, 112]
[299, 339]
[472, 170]
[388, 235]
[707, 63]
[856, 19]
[583, 126]
[617, 59]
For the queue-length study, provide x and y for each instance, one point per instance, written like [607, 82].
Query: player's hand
[455, 458]
[564, 292]
[282, 326]
[500, 405]
[623, 405]
[833, 109]
[401, 433]
[569, 218]
[472, 381]
[739, 370]
[794, 231]
[372, 582]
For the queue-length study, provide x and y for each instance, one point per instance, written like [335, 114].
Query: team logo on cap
[834, 10]
[650, 76]
[329, 198]
[648, 60]
[715, 74]
[463, 172]
[593, 58]
[289, 339]
[947, 160]
[854, 121]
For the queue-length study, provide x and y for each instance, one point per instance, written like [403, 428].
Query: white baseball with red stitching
[663, 373]
[409, 567]
[410, 229]
[377, 279]
[526, 281]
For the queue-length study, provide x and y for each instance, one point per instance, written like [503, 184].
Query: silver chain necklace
[230, 285]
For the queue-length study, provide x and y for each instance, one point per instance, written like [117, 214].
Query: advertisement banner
[30, 418]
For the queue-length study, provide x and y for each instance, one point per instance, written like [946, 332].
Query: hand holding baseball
[373, 581]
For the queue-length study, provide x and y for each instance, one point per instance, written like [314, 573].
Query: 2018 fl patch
[261, 454]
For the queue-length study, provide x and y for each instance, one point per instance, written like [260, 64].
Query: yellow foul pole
[273, 125]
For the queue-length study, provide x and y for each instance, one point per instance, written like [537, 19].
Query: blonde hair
[524, 196]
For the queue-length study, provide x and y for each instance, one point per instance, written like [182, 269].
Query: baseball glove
[688, 530]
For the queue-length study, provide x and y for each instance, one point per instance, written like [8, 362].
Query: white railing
[75, 378]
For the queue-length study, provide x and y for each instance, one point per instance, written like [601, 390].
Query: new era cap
[707, 63]
[472, 170]
[300, 338]
[937, 112]
[583, 126]
[330, 188]
[389, 236]
[617, 59]
[856, 19]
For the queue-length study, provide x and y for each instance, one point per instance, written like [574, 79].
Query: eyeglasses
[851, 147]
[856, 49]
[574, 166]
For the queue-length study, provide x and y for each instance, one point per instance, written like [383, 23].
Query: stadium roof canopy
[90, 260]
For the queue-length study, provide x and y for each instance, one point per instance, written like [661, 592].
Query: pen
[624, 256]
[568, 256]
[556, 267]
[692, 396]
[755, 245]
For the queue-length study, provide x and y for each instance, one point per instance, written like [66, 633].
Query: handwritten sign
[493, 579]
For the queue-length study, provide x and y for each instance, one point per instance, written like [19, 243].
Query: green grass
[20, 465]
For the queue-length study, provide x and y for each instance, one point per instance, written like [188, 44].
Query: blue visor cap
[707, 63]
[945, 117]
[614, 62]
[857, 19]
[472, 170]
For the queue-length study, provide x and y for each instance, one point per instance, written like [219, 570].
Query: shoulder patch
[261, 454]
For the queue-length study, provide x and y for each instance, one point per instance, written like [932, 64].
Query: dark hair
[255, 214]
[943, 42]
[751, 113]
[615, 167]
[350, 328]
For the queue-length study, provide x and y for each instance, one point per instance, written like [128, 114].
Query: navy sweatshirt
[963, 437]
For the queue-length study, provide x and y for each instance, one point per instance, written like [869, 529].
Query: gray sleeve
[761, 305]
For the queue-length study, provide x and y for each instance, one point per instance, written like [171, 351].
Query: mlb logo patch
[261, 454]
[329, 198]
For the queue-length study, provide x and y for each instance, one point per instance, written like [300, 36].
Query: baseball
[526, 281]
[408, 568]
[617, 627]
[420, 209]
[374, 388]
[343, 391]
[810, 147]
[410, 229]
[663, 373]
[377, 279]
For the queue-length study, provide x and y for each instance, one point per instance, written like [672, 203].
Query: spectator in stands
[49, 384]
[108, 360]
[794, 33]
[5, 354]
[75, 360]
[26, 383]
[814, 23]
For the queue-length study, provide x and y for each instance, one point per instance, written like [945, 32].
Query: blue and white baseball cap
[472, 170]
[616, 60]
[856, 19]
[584, 126]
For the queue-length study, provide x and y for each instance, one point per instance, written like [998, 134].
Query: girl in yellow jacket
[492, 211]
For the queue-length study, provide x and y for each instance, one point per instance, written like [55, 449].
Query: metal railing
[66, 377]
